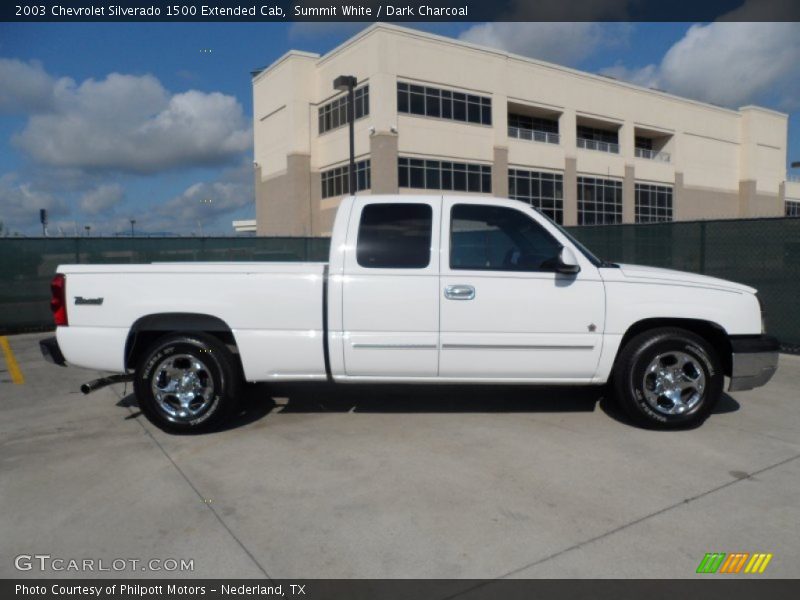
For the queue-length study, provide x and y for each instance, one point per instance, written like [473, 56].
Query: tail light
[58, 299]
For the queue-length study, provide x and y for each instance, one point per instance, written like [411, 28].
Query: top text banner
[379, 10]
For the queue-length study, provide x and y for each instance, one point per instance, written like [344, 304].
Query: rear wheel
[187, 382]
[668, 378]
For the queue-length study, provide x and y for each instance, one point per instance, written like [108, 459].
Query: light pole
[88, 229]
[348, 83]
[133, 222]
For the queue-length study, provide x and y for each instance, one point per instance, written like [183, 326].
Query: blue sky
[101, 123]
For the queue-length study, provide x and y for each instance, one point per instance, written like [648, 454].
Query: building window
[592, 138]
[537, 129]
[496, 238]
[599, 201]
[443, 104]
[653, 203]
[544, 191]
[793, 208]
[444, 175]
[334, 114]
[336, 181]
[395, 236]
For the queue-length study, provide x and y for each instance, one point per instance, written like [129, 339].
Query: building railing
[533, 135]
[652, 154]
[598, 145]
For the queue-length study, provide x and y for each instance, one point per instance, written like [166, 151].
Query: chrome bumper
[755, 360]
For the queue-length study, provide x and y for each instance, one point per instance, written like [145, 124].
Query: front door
[505, 313]
[390, 300]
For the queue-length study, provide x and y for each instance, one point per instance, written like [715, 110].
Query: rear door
[390, 299]
[505, 313]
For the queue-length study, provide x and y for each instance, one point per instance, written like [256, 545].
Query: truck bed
[273, 309]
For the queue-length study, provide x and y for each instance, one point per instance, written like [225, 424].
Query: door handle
[459, 292]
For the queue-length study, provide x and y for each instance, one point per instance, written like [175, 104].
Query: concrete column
[500, 172]
[570, 191]
[747, 197]
[315, 178]
[629, 195]
[678, 198]
[258, 188]
[283, 202]
[782, 198]
[500, 119]
[567, 132]
[627, 140]
[383, 162]
[383, 101]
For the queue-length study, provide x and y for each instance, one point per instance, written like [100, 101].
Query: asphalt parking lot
[393, 482]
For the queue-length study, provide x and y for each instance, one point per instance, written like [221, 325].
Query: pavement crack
[611, 532]
[661, 511]
[202, 498]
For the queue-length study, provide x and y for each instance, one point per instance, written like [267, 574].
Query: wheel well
[711, 332]
[147, 330]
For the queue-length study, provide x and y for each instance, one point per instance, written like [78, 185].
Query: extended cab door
[390, 299]
[505, 313]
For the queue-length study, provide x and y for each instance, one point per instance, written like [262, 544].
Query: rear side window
[395, 236]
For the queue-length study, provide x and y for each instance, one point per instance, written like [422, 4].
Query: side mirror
[567, 262]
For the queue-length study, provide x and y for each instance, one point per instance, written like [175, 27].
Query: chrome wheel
[183, 387]
[674, 383]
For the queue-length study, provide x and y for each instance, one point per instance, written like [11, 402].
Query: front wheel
[187, 382]
[668, 378]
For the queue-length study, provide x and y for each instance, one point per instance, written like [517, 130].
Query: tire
[668, 378]
[188, 382]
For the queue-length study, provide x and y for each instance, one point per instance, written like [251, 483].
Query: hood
[668, 276]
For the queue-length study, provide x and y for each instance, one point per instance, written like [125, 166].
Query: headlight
[763, 316]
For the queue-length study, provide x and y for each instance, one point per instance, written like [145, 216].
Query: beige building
[433, 114]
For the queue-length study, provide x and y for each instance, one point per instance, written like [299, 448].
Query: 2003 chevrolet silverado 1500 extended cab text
[418, 289]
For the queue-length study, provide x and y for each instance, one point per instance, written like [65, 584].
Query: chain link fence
[763, 253]
[28, 264]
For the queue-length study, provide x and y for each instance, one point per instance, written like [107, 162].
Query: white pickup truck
[418, 289]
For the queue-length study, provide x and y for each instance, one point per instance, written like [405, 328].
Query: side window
[395, 236]
[496, 238]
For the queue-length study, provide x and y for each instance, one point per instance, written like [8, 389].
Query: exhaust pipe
[96, 384]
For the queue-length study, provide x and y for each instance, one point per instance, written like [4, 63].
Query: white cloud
[127, 123]
[562, 43]
[26, 87]
[207, 206]
[102, 198]
[729, 63]
[312, 30]
[20, 203]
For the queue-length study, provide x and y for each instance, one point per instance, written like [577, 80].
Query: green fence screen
[763, 253]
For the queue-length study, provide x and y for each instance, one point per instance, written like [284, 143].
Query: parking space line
[11, 361]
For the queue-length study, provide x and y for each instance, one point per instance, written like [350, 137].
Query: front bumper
[754, 361]
[51, 351]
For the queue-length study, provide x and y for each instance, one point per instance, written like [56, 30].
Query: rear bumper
[51, 351]
[755, 360]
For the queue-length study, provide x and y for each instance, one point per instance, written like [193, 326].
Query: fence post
[702, 246]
